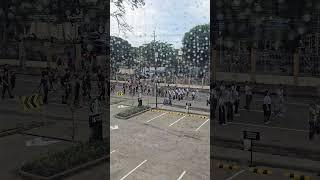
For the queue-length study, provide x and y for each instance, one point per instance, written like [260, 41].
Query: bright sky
[170, 19]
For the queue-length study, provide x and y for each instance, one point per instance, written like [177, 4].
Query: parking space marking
[236, 174]
[180, 177]
[133, 170]
[177, 121]
[156, 117]
[113, 151]
[202, 124]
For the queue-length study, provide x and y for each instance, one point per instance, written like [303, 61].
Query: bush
[58, 162]
[132, 111]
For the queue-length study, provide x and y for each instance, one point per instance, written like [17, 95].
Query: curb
[261, 171]
[297, 176]
[128, 117]
[227, 166]
[17, 130]
[64, 173]
[268, 164]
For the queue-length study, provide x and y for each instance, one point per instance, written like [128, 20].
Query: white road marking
[157, 117]
[114, 127]
[202, 124]
[113, 151]
[180, 177]
[271, 127]
[236, 174]
[133, 170]
[177, 121]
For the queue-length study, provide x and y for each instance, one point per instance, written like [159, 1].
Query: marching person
[267, 107]
[229, 104]
[13, 79]
[312, 120]
[44, 86]
[248, 92]
[236, 94]
[214, 100]
[6, 84]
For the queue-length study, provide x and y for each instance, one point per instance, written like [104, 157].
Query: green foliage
[121, 52]
[196, 48]
[58, 162]
[132, 111]
[167, 56]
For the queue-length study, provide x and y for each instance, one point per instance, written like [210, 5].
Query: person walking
[6, 84]
[229, 104]
[312, 120]
[222, 109]
[13, 80]
[44, 86]
[267, 107]
[214, 101]
[236, 94]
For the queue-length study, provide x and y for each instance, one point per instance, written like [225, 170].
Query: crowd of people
[142, 87]
[226, 99]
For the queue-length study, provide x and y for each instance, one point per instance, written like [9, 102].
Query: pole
[251, 163]
[155, 59]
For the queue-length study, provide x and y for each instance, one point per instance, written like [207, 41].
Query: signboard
[247, 144]
[251, 135]
[120, 93]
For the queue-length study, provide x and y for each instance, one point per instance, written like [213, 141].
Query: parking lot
[160, 145]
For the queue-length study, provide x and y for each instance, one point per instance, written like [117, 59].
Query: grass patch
[131, 111]
[54, 163]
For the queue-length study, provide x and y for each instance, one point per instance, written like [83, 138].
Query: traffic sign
[251, 135]
[32, 102]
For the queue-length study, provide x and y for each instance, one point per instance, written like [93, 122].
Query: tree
[167, 56]
[121, 53]
[120, 11]
[196, 48]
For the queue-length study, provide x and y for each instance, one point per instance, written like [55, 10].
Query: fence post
[253, 64]
[296, 67]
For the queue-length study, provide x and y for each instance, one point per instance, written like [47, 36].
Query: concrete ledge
[128, 117]
[269, 163]
[65, 173]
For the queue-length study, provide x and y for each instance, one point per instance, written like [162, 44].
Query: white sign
[39, 142]
[247, 144]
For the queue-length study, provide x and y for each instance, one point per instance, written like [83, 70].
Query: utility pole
[155, 67]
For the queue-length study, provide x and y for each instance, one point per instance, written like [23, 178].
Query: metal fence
[309, 65]
[235, 62]
[11, 52]
[274, 62]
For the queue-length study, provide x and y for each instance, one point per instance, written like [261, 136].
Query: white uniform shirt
[248, 90]
[267, 100]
